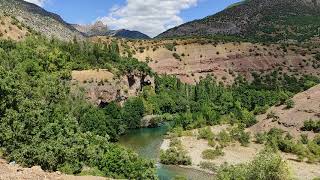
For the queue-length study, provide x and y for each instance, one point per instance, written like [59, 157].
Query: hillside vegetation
[258, 20]
[43, 123]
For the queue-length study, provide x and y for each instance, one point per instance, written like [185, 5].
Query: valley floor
[236, 154]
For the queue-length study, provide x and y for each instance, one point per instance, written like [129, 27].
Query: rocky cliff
[102, 87]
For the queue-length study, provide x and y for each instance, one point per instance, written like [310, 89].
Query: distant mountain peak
[101, 29]
[99, 26]
[96, 29]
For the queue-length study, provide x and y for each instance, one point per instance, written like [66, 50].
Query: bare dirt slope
[226, 60]
[191, 59]
[307, 107]
[12, 29]
[15, 172]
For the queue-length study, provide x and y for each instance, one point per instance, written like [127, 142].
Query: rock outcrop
[102, 87]
[96, 29]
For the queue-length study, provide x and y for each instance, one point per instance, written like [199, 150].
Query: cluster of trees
[303, 148]
[43, 123]
[210, 103]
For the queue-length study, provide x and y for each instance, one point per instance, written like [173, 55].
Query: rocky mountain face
[96, 29]
[100, 29]
[257, 18]
[38, 19]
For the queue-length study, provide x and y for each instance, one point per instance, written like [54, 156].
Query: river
[147, 142]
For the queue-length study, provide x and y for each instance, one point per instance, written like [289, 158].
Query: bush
[224, 138]
[260, 110]
[261, 138]
[267, 165]
[212, 153]
[290, 104]
[176, 56]
[317, 57]
[304, 139]
[175, 155]
[205, 133]
[208, 165]
[240, 135]
[170, 47]
[311, 125]
[212, 143]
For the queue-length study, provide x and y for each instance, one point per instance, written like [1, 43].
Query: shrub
[240, 135]
[290, 104]
[311, 125]
[317, 57]
[208, 165]
[212, 143]
[261, 138]
[176, 56]
[175, 155]
[205, 133]
[267, 165]
[170, 46]
[224, 138]
[212, 153]
[260, 110]
[304, 138]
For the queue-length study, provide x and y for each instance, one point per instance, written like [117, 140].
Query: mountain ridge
[248, 18]
[40, 20]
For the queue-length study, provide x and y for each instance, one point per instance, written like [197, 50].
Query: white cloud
[37, 2]
[148, 16]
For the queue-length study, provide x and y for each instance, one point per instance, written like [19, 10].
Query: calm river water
[146, 142]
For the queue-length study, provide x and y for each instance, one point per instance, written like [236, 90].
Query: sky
[147, 16]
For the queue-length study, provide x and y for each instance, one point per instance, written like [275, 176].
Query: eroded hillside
[192, 59]
[291, 120]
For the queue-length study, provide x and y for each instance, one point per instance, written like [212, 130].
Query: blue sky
[148, 16]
